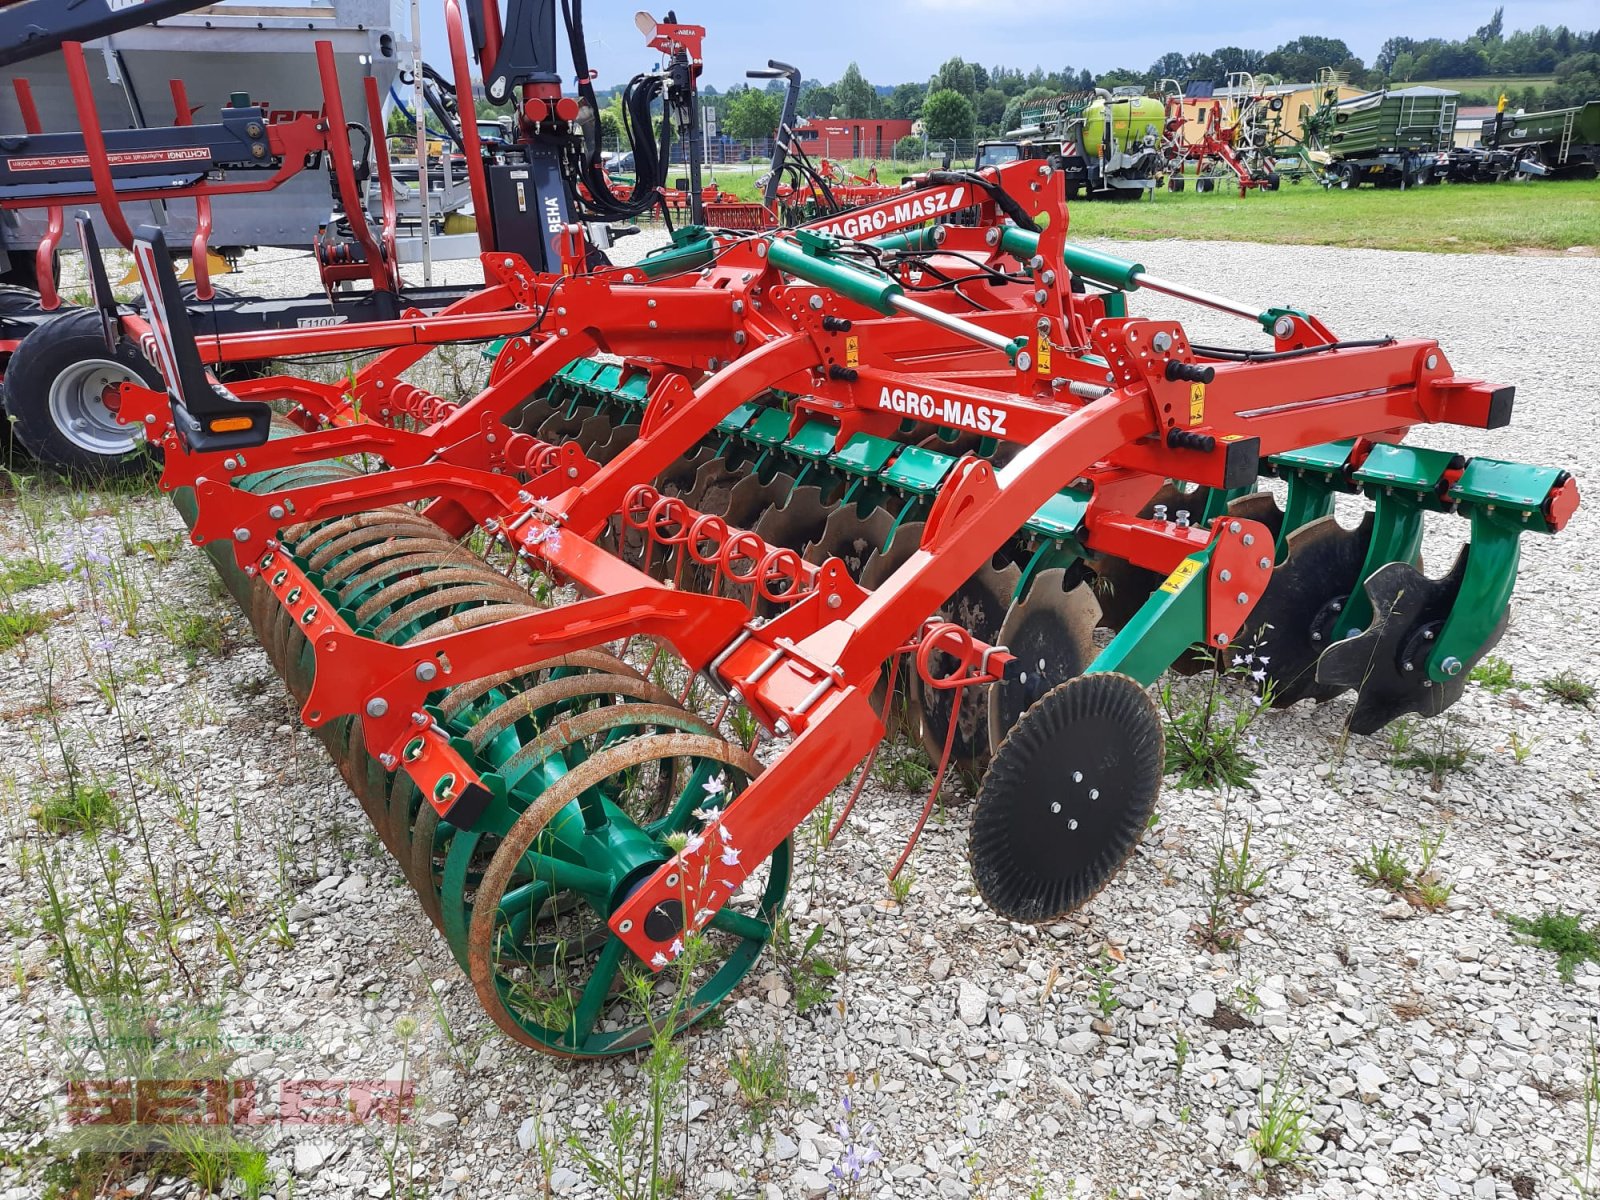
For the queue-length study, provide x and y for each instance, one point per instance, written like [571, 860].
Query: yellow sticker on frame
[1181, 574]
[1197, 403]
[852, 351]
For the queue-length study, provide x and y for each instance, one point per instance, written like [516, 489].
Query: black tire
[50, 385]
[1275, 181]
[1204, 183]
[1175, 183]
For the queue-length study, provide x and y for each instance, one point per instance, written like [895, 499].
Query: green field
[1486, 85]
[1497, 218]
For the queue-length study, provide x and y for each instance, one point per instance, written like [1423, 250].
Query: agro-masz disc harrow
[888, 465]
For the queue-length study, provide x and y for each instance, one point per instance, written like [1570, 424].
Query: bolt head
[1243, 598]
[1433, 361]
[427, 672]
[835, 600]
[1224, 575]
[1264, 563]
[241, 534]
[1451, 665]
[815, 302]
[1162, 341]
[1283, 327]
[377, 706]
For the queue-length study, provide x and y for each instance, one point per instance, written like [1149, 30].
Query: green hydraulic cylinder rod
[1123, 275]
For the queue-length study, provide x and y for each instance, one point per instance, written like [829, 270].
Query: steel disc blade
[851, 538]
[978, 606]
[1293, 622]
[749, 498]
[1051, 632]
[594, 431]
[904, 708]
[1387, 664]
[1259, 506]
[1067, 798]
[705, 486]
[622, 436]
[799, 520]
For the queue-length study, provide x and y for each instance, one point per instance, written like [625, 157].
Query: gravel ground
[1109, 1055]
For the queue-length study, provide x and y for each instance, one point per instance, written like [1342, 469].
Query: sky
[896, 41]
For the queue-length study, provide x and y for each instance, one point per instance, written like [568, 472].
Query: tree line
[965, 100]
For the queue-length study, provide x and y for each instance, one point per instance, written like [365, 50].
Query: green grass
[87, 808]
[17, 625]
[1460, 218]
[1486, 85]
[1564, 935]
[22, 574]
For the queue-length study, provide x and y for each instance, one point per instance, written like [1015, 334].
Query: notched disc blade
[1259, 506]
[749, 498]
[978, 606]
[1067, 798]
[1295, 619]
[851, 538]
[1387, 664]
[1051, 632]
[799, 520]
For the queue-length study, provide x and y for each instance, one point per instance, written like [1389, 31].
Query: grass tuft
[17, 625]
[1568, 688]
[1562, 934]
[84, 808]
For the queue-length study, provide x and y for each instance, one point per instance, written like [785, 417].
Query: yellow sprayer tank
[1132, 117]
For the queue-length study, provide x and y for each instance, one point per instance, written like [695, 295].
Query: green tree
[905, 102]
[948, 114]
[991, 107]
[1299, 60]
[856, 99]
[817, 100]
[1577, 82]
[751, 114]
[956, 75]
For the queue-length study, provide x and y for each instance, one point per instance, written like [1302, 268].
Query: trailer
[1390, 139]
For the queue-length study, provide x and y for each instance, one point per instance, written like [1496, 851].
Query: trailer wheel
[1275, 181]
[55, 386]
[1346, 182]
[1204, 183]
[1175, 183]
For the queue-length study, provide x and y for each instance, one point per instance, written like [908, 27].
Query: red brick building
[841, 137]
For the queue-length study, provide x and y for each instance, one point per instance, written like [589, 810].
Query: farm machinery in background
[1229, 135]
[525, 189]
[1390, 139]
[1107, 144]
[785, 492]
[1561, 143]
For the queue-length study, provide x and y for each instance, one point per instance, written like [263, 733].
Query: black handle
[1189, 372]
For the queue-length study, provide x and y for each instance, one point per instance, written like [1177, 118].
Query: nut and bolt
[815, 302]
[427, 672]
[1451, 665]
[377, 706]
[1162, 341]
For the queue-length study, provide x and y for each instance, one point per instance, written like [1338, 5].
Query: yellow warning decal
[852, 351]
[1185, 571]
[1197, 403]
[1044, 355]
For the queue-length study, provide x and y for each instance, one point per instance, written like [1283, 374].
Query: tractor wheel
[55, 388]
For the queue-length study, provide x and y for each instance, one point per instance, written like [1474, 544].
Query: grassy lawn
[1502, 217]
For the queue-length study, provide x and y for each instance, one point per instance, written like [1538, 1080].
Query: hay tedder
[811, 484]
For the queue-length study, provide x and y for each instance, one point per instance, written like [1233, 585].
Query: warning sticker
[1185, 571]
[1197, 403]
[1044, 355]
[852, 351]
